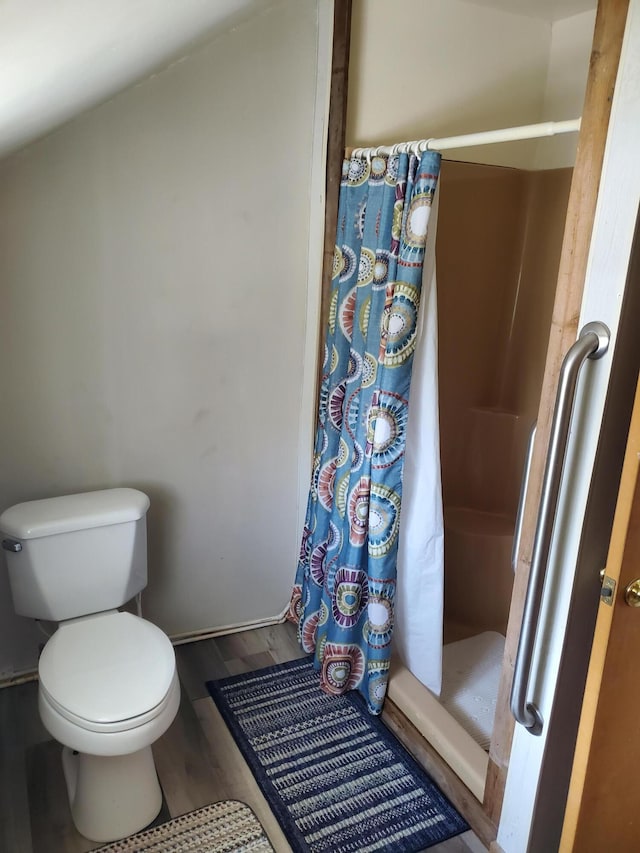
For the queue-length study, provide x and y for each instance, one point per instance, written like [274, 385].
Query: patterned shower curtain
[344, 588]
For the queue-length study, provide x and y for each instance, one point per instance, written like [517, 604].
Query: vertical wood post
[336, 133]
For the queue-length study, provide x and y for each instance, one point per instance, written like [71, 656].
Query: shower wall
[499, 240]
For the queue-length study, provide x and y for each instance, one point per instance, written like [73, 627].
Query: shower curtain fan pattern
[343, 597]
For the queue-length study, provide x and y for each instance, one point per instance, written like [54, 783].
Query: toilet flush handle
[12, 545]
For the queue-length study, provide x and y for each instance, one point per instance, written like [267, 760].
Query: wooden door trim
[605, 56]
[594, 701]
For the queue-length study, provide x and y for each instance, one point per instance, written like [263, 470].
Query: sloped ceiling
[60, 57]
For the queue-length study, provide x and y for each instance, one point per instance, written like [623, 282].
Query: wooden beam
[605, 56]
[336, 137]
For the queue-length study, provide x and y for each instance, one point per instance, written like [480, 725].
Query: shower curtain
[345, 588]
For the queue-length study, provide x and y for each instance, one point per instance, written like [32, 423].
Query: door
[602, 807]
[540, 764]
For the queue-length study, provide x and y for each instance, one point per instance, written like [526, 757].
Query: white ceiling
[59, 57]
[545, 10]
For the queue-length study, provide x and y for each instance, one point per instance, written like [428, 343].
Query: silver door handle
[592, 342]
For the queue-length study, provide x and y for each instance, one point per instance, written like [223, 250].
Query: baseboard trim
[210, 633]
[19, 678]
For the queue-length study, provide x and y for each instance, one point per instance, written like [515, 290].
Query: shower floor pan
[459, 724]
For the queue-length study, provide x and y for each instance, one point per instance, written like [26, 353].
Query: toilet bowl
[108, 682]
[108, 689]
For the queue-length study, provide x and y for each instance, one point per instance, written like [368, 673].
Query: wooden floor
[197, 760]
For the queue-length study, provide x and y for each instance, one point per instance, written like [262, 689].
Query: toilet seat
[119, 725]
[109, 672]
[133, 736]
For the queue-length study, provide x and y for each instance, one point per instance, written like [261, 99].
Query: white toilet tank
[76, 555]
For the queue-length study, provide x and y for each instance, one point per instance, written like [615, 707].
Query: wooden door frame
[607, 44]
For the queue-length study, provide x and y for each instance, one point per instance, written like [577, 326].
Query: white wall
[443, 67]
[569, 54]
[153, 332]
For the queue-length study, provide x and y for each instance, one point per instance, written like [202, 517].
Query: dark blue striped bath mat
[335, 777]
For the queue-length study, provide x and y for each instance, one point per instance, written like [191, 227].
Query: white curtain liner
[420, 584]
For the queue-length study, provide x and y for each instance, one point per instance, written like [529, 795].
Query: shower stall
[499, 237]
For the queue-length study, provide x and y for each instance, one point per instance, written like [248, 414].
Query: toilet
[108, 686]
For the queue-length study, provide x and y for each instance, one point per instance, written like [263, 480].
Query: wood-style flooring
[197, 760]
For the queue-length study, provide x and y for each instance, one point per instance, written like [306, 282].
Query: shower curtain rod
[488, 137]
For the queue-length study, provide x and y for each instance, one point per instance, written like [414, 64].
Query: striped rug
[225, 827]
[335, 777]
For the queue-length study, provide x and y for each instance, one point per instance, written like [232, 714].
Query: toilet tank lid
[34, 519]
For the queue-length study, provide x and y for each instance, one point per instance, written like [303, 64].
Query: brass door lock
[632, 593]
